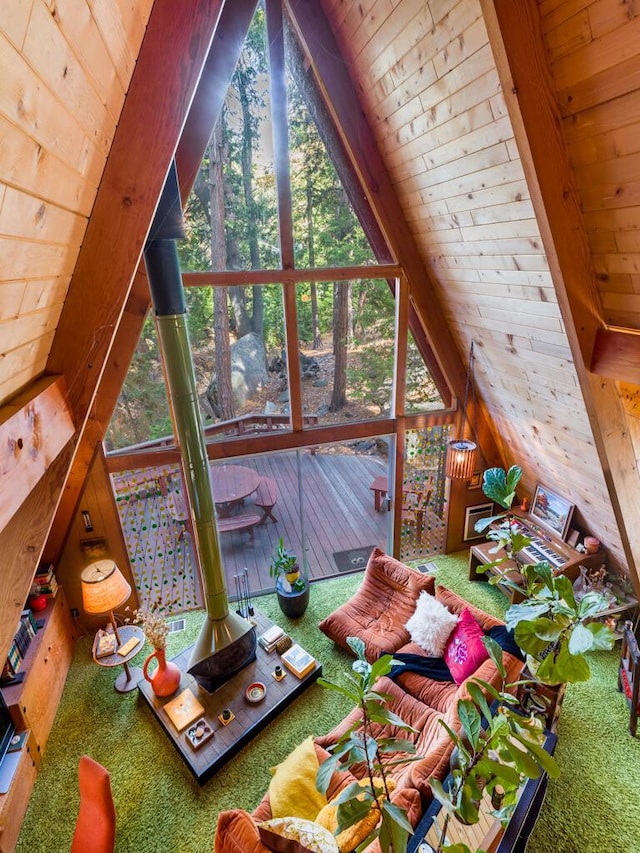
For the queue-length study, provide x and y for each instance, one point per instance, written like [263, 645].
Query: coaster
[279, 677]
[226, 722]
[199, 733]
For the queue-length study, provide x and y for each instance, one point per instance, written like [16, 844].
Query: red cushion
[465, 650]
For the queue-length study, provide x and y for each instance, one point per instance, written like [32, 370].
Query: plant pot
[293, 603]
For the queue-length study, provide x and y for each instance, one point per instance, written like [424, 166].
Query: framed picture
[476, 481]
[472, 514]
[551, 510]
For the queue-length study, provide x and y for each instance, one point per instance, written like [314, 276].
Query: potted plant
[358, 745]
[291, 585]
[550, 626]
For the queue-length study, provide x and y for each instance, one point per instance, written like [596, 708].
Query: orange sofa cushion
[381, 606]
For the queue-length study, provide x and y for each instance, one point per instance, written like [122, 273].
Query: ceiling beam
[341, 99]
[519, 51]
[616, 354]
[168, 68]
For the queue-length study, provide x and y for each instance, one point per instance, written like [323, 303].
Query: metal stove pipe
[227, 642]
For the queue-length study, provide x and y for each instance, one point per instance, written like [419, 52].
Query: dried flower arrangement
[153, 622]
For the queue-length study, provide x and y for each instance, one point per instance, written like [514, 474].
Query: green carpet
[593, 808]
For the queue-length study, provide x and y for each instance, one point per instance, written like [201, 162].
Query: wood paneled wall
[65, 67]
[430, 90]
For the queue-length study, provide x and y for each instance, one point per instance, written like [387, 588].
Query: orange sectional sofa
[377, 613]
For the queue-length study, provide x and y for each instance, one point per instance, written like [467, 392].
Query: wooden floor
[338, 515]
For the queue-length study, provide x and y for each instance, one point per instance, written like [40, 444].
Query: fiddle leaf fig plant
[495, 752]
[552, 628]
[359, 745]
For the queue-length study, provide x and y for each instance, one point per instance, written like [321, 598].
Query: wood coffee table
[248, 720]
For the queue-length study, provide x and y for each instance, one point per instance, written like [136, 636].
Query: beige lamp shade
[104, 587]
[461, 458]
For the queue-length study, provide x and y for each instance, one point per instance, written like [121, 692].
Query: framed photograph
[476, 481]
[551, 511]
[472, 514]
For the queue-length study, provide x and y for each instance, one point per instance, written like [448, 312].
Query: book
[184, 709]
[298, 661]
[106, 644]
[269, 639]
[129, 646]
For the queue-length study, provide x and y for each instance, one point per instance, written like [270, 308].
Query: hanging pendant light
[462, 452]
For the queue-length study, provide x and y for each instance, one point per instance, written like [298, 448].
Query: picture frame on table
[475, 481]
[551, 510]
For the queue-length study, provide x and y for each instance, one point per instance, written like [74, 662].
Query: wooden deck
[338, 515]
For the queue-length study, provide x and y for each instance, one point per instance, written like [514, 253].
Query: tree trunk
[340, 337]
[219, 262]
[317, 340]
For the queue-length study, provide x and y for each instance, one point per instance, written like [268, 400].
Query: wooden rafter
[167, 71]
[341, 100]
[518, 47]
[616, 354]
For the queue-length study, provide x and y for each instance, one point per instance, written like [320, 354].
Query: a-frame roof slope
[507, 137]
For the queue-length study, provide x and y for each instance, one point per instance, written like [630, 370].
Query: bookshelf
[33, 703]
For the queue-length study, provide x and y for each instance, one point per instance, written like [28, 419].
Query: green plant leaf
[500, 486]
[397, 814]
[470, 719]
[357, 646]
[581, 640]
[526, 610]
[563, 667]
[478, 697]
[495, 653]
[442, 796]
[379, 714]
[523, 760]
[344, 691]
[526, 636]
[603, 636]
[325, 772]
[546, 761]
[352, 811]
[593, 602]
[481, 525]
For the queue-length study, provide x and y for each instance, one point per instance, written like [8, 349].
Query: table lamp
[104, 589]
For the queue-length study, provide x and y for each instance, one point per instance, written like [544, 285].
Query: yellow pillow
[292, 790]
[349, 838]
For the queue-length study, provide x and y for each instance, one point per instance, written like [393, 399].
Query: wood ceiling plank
[340, 98]
[207, 101]
[515, 31]
[152, 119]
[34, 428]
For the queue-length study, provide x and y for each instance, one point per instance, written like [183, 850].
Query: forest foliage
[232, 222]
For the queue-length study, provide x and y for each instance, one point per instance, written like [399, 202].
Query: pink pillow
[465, 650]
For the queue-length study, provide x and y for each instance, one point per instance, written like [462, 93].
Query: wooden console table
[248, 719]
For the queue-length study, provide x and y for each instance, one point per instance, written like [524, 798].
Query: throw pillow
[354, 835]
[292, 790]
[295, 835]
[237, 832]
[431, 625]
[465, 650]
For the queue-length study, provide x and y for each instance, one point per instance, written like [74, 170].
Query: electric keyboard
[548, 547]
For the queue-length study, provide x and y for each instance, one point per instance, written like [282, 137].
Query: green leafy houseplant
[550, 626]
[497, 751]
[284, 562]
[360, 746]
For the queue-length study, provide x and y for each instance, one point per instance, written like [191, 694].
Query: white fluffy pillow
[431, 625]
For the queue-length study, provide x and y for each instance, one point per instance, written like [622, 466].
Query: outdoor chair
[266, 498]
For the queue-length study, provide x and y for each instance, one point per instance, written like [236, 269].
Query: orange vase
[165, 680]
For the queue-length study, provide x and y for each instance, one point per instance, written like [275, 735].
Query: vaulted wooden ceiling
[498, 141]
